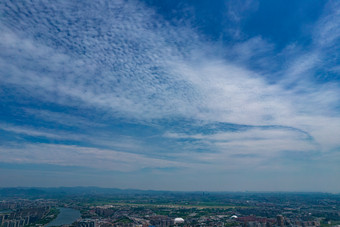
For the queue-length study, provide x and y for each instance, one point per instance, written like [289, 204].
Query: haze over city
[170, 95]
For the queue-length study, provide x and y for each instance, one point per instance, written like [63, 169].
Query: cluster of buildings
[164, 221]
[20, 213]
[154, 221]
[124, 216]
[23, 217]
[279, 221]
[264, 211]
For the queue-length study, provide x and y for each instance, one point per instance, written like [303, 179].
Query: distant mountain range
[58, 192]
[27, 192]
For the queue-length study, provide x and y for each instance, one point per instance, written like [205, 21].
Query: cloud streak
[83, 157]
[121, 63]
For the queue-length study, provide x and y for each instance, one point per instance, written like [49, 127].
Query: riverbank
[66, 217]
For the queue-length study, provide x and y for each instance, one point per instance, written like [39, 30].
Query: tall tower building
[280, 220]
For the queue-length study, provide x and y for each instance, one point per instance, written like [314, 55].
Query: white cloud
[327, 31]
[66, 155]
[136, 67]
[62, 118]
[251, 148]
[47, 133]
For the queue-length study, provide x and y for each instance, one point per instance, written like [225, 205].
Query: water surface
[66, 217]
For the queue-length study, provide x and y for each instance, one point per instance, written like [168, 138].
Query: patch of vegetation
[124, 220]
[50, 216]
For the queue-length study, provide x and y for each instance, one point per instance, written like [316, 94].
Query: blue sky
[171, 95]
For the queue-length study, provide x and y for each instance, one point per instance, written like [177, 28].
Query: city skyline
[171, 95]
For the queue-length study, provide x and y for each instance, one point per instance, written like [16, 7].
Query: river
[66, 217]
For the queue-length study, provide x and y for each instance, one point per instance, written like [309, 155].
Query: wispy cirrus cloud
[62, 118]
[70, 155]
[45, 133]
[119, 63]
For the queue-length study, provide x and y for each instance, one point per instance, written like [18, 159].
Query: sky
[170, 95]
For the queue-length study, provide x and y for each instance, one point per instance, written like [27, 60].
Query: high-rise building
[280, 220]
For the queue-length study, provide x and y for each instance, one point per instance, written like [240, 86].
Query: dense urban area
[89, 207]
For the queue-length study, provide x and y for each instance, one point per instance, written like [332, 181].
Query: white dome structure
[234, 217]
[178, 221]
